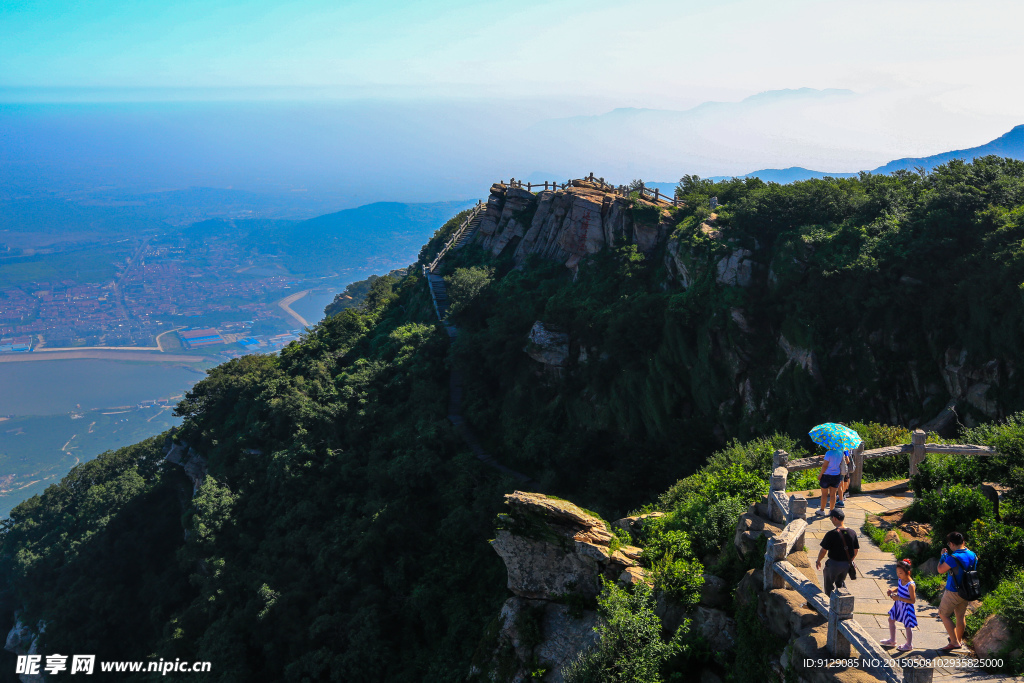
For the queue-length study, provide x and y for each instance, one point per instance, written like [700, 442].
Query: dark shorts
[846, 477]
[831, 481]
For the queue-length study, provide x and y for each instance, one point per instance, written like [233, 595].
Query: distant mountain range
[353, 243]
[1010, 145]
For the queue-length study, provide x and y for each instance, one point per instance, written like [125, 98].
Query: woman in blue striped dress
[903, 609]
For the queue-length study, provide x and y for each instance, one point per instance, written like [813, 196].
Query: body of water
[63, 386]
[311, 307]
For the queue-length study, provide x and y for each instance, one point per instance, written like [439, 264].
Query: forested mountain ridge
[340, 532]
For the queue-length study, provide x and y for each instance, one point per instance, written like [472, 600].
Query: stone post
[858, 468]
[915, 674]
[840, 609]
[776, 551]
[917, 440]
[797, 508]
[779, 476]
[780, 459]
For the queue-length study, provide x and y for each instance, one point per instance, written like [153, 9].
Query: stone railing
[782, 509]
[844, 632]
[917, 448]
[655, 195]
[474, 212]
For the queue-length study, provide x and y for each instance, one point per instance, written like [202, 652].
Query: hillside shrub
[1000, 549]
[465, 285]
[713, 528]
[877, 435]
[940, 470]
[755, 455]
[1006, 437]
[733, 480]
[1008, 600]
[954, 508]
[630, 648]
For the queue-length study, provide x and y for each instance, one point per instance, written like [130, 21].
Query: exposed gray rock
[537, 569]
[547, 346]
[736, 269]
[993, 637]
[715, 592]
[22, 640]
[717, 627]
[929, 567]
[562, 637]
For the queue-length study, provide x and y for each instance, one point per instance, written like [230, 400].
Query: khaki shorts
[952, 603]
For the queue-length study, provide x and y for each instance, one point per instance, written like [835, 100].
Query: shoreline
[104, 354]
[285, 306]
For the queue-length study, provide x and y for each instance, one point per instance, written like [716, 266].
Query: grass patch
[877, 537]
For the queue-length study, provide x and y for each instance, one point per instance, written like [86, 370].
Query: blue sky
[924, 76]
[650, 52]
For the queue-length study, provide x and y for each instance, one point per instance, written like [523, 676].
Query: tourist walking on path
[845, 465]
[842, 545]
[903, 610]
[956, 561]
[829, 479]
[837, 438]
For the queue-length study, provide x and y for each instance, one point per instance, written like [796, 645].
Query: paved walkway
[877, 574]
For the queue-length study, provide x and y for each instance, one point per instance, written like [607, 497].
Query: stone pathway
[439, 295]
[877, 574]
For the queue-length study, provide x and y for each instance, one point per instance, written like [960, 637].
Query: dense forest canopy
[341, 532]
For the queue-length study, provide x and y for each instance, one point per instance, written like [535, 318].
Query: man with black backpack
[962, 586]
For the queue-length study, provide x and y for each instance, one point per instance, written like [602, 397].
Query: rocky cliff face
[566, 225]
[23, 640]
[762, 366]
[555, 554]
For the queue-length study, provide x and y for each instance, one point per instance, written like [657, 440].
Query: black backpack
[968, 586]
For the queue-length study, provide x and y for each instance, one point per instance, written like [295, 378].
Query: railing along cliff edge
[844, 632]
[455, 236]
[624, 190]
[917, 448]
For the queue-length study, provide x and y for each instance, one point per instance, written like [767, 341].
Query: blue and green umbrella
[835, 437]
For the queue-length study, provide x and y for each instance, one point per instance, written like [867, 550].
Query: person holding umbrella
[837, 439]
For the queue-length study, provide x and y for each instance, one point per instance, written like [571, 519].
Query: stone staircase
[468, 233]
[439, 295]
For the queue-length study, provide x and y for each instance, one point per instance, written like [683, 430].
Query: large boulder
[918, 547]
[634, 525]
[751, 527]
[717, 628]
[787, 613]
[23, 640]
[714, 592]
[929, 567]
[547, 345]
[993, 637]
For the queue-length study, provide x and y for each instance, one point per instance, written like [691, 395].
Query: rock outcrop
[555, 553]
[547, 345]
[552, 548]
[992, 638]
[23, 640]
[179, 453]
[566, 225]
